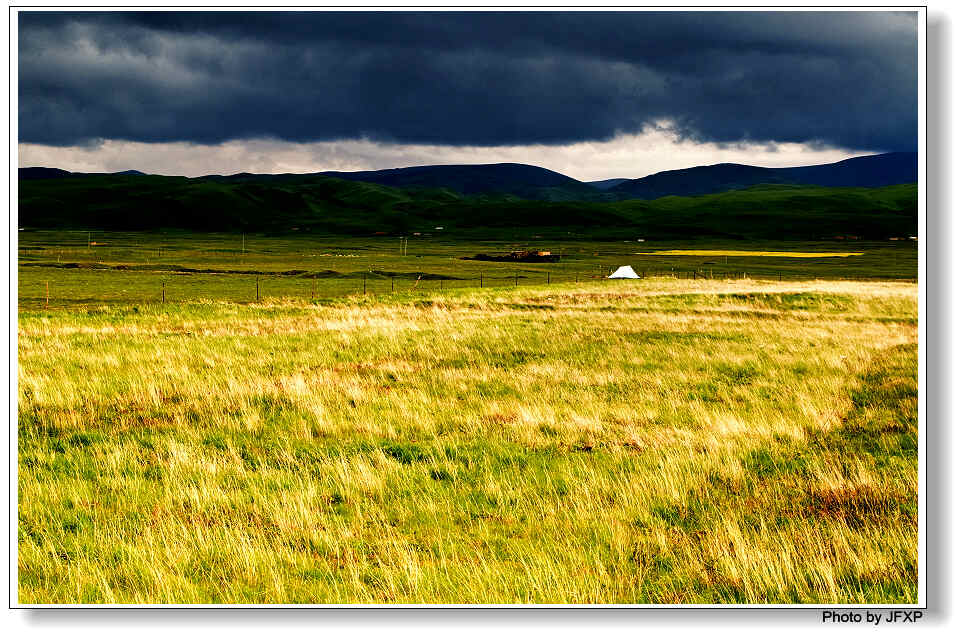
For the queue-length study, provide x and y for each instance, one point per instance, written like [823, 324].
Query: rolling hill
[865, 171]
[514, 179]
[607, 184]
[44, 173]
[322, 204]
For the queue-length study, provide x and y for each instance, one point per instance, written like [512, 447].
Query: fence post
[550, 279]
[392, 284]
[47, 300]
[163, 292]
[481, 280]
[314, 288]
[364, 283]
[516, 280]
[257, 288]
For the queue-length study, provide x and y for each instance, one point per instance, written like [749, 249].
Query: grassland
[749, 253]
[665, 440]
[140, 268]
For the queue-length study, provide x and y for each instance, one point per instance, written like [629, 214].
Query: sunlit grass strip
[750, 442]
[752, 254]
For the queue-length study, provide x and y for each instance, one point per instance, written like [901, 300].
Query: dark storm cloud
[840, 78]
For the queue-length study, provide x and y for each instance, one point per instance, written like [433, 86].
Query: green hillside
[783, 211]
[333, 206]
[522, 181]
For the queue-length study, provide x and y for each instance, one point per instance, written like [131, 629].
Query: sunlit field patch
[797, 254]
[655, 441]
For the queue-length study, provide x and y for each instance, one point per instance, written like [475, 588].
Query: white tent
[624, 272]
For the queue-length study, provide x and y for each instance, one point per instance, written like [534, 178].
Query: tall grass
[656, 441]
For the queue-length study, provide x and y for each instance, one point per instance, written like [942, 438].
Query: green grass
[654, 441]
[136, 268]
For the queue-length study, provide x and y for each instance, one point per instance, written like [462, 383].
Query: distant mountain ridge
[45, 173]
[509, 181]
[878, 170]
[608, 183]
[318, 204]
[42, 173]
[525, 181]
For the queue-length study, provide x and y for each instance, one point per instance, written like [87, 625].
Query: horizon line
[361, 171]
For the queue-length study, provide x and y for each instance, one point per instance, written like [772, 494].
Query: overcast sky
[593, 95]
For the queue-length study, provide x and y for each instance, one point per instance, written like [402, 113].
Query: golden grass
[710, 253]
[658, 441]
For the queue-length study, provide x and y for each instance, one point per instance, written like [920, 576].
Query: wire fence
[104, 287]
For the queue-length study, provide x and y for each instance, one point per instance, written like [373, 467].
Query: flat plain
[745, 436]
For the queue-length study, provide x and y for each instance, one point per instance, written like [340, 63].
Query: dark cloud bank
[836, 78]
